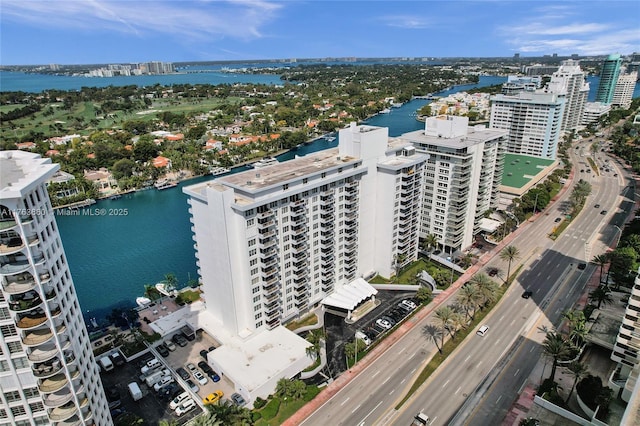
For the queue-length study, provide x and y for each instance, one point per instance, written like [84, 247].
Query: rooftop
[520, 169]
[19, 170]
[475, 135]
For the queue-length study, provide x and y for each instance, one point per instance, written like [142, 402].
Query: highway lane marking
[386, 380]
[467, 358]
[512, 321]
[532, 348]
[498, 400]
[458, 390]
[374, 409]
[356, 409]
[497, 341]
[501, 318]
[446, 383]
[413, 371]
[392, 391]
[479, 363]
[400, 351]
[403, 380]
[516, 373]
[377, 372]
[414, 354]
[345, 401]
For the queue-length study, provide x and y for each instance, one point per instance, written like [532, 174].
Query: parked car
[168, 391]
[194, 388]
[582, 266]
[165, 380]
[182, 373]
[185, 407]
[178, 400]
[238, 399]
[192, 368]
[211, 348]
[389, 320]
[179, 340]
[203, 354]
[117, 359]
[409, 303]
[383, 323]
[162, 350]
[212, 398]
[189, 337]
[169, 344]
[204, 367]
[200, 378]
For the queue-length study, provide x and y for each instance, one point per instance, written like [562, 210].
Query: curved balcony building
[50, 376]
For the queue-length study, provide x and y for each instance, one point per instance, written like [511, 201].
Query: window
[12, 396]
[4, 314]
[18, 411]
[4, 365]
[21, 362]
[252, 242]
[251, 222]
[258, 316]
[259, 324]
[257, 307]
[8, 330]
[36, 406]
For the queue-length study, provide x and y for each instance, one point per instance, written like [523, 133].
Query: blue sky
[122, 31]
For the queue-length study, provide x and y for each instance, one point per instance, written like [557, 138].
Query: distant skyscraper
[48, 375]
[463, 173]
[569, 81]
[532, 120]
[608, 79]
[623, 93]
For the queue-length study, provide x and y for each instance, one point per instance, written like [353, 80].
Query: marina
[165, 184]
[267, 161]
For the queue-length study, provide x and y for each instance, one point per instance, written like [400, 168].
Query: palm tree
[429, 243]
[208, 418]
[445, 315]
[171, 280]
[468, 297]
[315, 338]
[435, 333]
[556, 347]
[601, 295]
[601, 260]
[509, 254]
[487, 288]
[227, 413]
[578, 371]
[398, 263]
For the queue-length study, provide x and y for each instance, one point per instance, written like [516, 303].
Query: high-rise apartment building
[608, 79]
[532, 121]
[48, 375]
[463, 174]
[569, 81]
[274, 242]
[626, 351]
[623, 92]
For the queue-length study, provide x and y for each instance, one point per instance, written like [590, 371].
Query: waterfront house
[161, 161]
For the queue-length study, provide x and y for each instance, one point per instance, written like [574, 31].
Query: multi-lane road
[478, 383]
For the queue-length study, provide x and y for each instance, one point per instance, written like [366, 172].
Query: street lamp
[619, 232]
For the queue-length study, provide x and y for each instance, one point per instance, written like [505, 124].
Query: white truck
[421, 419]
[105, 363]
[153, 378]
[135, 391]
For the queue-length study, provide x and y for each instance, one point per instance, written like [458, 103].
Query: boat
[385, 111]
[142, 301]
[115, 197]
[330, 138]
[267, 161]
[396, 104]
[216, 171]
[166, 289]
[164, 184]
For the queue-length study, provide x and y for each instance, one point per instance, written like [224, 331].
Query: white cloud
[239, 19]
[404, 21]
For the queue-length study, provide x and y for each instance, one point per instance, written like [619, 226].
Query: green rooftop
[520, 169]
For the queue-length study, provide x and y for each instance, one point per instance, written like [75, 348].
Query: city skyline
[70, 32]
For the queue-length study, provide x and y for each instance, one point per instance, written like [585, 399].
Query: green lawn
[285, 409]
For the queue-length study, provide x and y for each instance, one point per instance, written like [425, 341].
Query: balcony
[18, 284]
[58, 399]
[299, 247]
[31, 319]
[63, 412]
[11, 242]
[11, 265]
[25, 302]
[272, 295]
[301, 273]
[272, 315]
[298, 230]
[41, 335]
[267, 223]
[73, 421]
[52, 384]
[266, 233]
[265, 214]
[273, 323]
[267, 243]
[328, 208]
[47, 369]
[47, 351]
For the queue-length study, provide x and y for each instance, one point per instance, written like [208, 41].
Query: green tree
[468, 297]
[601, 295]
[555, 347]
[429, 243]
[123, 168]
[509, 254]
[424, 295]
[228, 413]
[445, 315]
[435, 333]
[578, 371]
[601, 260]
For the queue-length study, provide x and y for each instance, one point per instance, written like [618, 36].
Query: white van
[360, 335]
[482, 330]
[105, 363]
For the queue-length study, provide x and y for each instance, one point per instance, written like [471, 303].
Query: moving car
[582, 266]
[212, 398]
[558, 219]
[597, 206]
[492, 272]
[527, 294]
[603, 212]
[482, 330]
[420, 419]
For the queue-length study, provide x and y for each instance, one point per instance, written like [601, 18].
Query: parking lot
[153, 407]
[339, 332]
